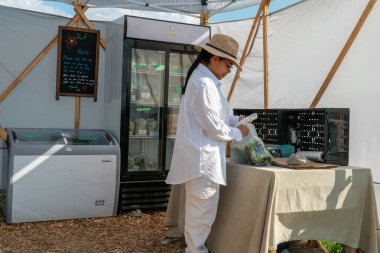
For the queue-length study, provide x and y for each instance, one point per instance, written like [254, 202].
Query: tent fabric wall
[24, 34]
[303, 44]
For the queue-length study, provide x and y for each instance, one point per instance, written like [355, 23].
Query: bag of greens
[237, 147]
[256, 152]
[251, 150]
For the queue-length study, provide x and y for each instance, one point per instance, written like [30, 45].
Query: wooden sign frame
[59, 63]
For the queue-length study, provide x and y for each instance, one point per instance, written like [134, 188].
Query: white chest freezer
[56, 174]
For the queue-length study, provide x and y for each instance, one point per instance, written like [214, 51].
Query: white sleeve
[205, 104]
[237, 133]
[233, 120]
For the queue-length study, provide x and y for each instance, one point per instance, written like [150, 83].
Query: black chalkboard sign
[78, 62]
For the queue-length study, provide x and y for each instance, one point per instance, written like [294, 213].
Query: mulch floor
[123, 233]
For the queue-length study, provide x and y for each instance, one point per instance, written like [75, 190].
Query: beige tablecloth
[264, 206]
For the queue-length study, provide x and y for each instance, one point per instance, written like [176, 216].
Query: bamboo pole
[204, 19]
[77, 111]
[77, 99]
[88, 23]
[343, 53]
[265, 56]
[244, 54]
[3, 134]
[36, 60]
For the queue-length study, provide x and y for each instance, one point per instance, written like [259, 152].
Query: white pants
[202, 197]
[175, 213]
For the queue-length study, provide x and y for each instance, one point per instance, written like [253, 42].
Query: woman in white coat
[204, 127]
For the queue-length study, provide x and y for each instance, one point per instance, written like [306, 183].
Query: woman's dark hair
[204, 57]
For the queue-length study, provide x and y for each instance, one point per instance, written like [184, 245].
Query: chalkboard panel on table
[78, 62]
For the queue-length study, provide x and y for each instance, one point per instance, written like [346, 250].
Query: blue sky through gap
[111, 13]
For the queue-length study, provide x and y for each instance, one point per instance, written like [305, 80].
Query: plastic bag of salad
[238, 155]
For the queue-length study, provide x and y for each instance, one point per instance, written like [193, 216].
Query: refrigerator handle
[164, 120]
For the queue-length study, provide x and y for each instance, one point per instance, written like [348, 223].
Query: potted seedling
[139, 162]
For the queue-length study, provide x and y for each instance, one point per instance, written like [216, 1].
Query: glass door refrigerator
[154, 72]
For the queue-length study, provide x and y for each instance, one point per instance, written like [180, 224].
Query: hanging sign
[78, 62]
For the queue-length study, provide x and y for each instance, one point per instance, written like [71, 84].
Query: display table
[264, 206]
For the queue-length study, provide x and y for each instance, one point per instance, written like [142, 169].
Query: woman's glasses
[229, 64]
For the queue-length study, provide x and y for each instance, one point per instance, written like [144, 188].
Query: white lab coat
[202, 131]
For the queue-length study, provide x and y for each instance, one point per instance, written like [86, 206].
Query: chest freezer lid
[86, 137]
[36, 136]
[41, 136]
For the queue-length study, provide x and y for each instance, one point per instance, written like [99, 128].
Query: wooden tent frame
[263, 11]
[78, 19]
[343, 53]
[3, 134]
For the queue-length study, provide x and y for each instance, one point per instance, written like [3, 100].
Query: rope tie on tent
[253, 40]
[204, 15]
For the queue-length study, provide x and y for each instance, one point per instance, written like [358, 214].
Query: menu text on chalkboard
[78, 62]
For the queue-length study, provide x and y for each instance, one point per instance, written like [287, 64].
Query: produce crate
[322, 129]
[327, 130]
[267, 124]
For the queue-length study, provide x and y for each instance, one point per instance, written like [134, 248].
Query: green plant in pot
[131, 127]
[131, 163]
[139, 161]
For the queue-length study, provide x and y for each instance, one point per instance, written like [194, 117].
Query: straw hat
[222, 46]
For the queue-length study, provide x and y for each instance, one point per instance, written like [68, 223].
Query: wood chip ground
[121, 234]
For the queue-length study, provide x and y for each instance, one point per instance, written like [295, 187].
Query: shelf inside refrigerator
[174, 74]
[147, 72]
[144, 102]
[173, 104]
[146, 136]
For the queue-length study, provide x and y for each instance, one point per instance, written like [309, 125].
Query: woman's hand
[244, 130]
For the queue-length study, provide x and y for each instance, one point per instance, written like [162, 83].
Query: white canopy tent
[304, 41]
[188, 7]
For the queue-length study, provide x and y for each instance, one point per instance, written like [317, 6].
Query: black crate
[322, 129]
[327, 130]
[268, 123]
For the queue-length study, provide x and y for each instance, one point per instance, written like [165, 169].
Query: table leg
[348, 249]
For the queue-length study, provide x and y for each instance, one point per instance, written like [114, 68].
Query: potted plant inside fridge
[139, 161]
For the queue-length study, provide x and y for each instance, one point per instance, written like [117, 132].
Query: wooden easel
[78, 19]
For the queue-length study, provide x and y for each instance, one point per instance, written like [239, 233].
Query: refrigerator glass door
[147, 82]
[179, 64]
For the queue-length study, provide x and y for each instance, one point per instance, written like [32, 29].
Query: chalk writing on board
[78, 56]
